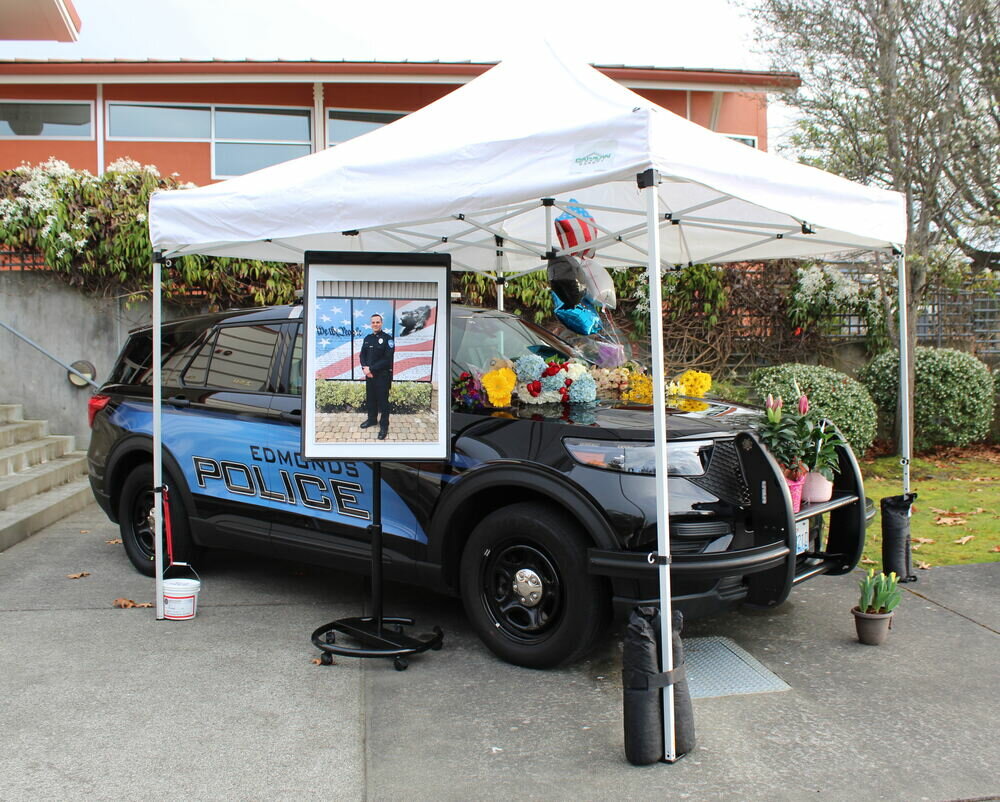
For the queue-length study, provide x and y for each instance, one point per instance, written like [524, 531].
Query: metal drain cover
[716, 666]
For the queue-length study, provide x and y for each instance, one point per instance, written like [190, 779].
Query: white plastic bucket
[180, 598]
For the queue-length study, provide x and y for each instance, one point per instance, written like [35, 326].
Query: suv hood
[633, 422]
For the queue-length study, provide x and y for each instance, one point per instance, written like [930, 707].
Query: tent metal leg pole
[157, 439]
[660, 435]
[499, 271]
[905, 448]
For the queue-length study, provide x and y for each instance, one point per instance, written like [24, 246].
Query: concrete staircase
[42, 477]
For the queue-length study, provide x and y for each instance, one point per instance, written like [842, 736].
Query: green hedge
[338, 396]
[833, 394]
[953, 396]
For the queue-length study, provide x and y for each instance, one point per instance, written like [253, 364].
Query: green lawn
[958, 496]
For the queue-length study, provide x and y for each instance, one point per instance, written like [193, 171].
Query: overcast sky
[665, 33]
[662, 33]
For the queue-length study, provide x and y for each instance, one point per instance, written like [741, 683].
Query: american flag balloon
[572, 230]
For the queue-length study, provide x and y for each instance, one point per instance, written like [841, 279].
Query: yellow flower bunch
[640, 388]
[694, 383]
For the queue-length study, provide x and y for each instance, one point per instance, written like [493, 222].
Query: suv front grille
[724, 476]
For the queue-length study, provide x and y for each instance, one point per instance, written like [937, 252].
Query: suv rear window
[135, 363]
[237, 358]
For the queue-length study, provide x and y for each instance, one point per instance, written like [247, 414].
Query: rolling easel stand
[371, 632]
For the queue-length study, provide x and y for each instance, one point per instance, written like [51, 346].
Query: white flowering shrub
[953, 397]
[822, 293]
[833, 394]
[92, 231]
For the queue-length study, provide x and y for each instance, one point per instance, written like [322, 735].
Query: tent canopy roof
[476, 164]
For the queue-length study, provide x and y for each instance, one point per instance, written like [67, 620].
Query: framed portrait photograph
[375, 356]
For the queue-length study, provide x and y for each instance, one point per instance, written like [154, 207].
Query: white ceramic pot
[817, 488]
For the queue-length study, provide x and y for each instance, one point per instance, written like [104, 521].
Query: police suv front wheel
[135, 521]
[526, 588]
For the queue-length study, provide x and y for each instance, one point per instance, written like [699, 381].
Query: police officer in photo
[376, 363]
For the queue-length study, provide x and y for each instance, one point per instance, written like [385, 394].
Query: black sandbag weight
[896, 547]
[643, 685]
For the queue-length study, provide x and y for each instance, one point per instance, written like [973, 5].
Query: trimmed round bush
[952, 397]
[833, 394]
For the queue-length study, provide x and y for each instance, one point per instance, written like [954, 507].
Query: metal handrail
[35, 345]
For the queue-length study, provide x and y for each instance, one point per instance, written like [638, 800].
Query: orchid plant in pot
[785, 435]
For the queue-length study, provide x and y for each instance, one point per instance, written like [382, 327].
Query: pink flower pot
[817, 488]
[795, 488]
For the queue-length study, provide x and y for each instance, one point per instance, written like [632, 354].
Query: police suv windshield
[479, 336]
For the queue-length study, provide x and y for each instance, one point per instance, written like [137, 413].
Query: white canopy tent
[481, 173]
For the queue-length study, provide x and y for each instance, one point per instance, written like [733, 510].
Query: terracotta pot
[795, 488]
[817, 488]
[872, 628]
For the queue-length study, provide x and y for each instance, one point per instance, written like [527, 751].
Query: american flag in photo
[574, 231]
[415, 329]
[334, 333]
[363, 309]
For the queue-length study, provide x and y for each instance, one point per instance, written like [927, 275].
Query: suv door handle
[291, 417]
[179, 401]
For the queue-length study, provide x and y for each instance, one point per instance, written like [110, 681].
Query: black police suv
[543, 520]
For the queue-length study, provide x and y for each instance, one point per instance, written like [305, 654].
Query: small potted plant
[783, 435]
[880, 594]
[823, 461]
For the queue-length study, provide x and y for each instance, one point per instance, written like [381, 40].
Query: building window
[23, 119]
[249, 139]
[141, 121]
[243, 139]
[744, 139]
[342, 124]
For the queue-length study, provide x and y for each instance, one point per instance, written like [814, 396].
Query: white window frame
[212, 139]
[326, 120]
[65, 137]
[754, 137]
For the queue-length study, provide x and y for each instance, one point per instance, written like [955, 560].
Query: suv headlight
[683, 457]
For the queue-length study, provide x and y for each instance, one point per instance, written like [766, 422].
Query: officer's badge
[380, 341]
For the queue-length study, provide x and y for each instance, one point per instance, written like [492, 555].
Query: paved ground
[344, 427]
[100, 703]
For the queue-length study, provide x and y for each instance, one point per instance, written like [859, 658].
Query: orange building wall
[384, 97]
[241, 94]
[671, 100]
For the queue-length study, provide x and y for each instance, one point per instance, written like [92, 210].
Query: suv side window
[237, 358]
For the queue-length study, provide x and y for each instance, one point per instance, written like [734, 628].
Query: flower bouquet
[553, 382]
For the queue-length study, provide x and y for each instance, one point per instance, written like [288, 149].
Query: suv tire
[135, 507]
[532, 548]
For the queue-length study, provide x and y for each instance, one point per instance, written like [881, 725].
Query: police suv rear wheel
[526, 588]
[135, 521]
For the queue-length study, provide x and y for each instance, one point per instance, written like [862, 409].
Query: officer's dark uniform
[376, 354]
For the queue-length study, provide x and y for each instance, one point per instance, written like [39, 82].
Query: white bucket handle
[184, 565]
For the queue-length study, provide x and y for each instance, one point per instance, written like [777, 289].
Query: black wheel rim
[526, 623]
[141, 523]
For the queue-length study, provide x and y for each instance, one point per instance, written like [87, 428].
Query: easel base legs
[374, 639]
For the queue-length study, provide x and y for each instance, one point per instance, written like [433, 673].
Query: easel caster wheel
[326, 659]
[331, 637]
[400, 663]
[437, 646]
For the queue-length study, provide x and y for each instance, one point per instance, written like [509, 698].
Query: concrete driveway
[102, 703]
